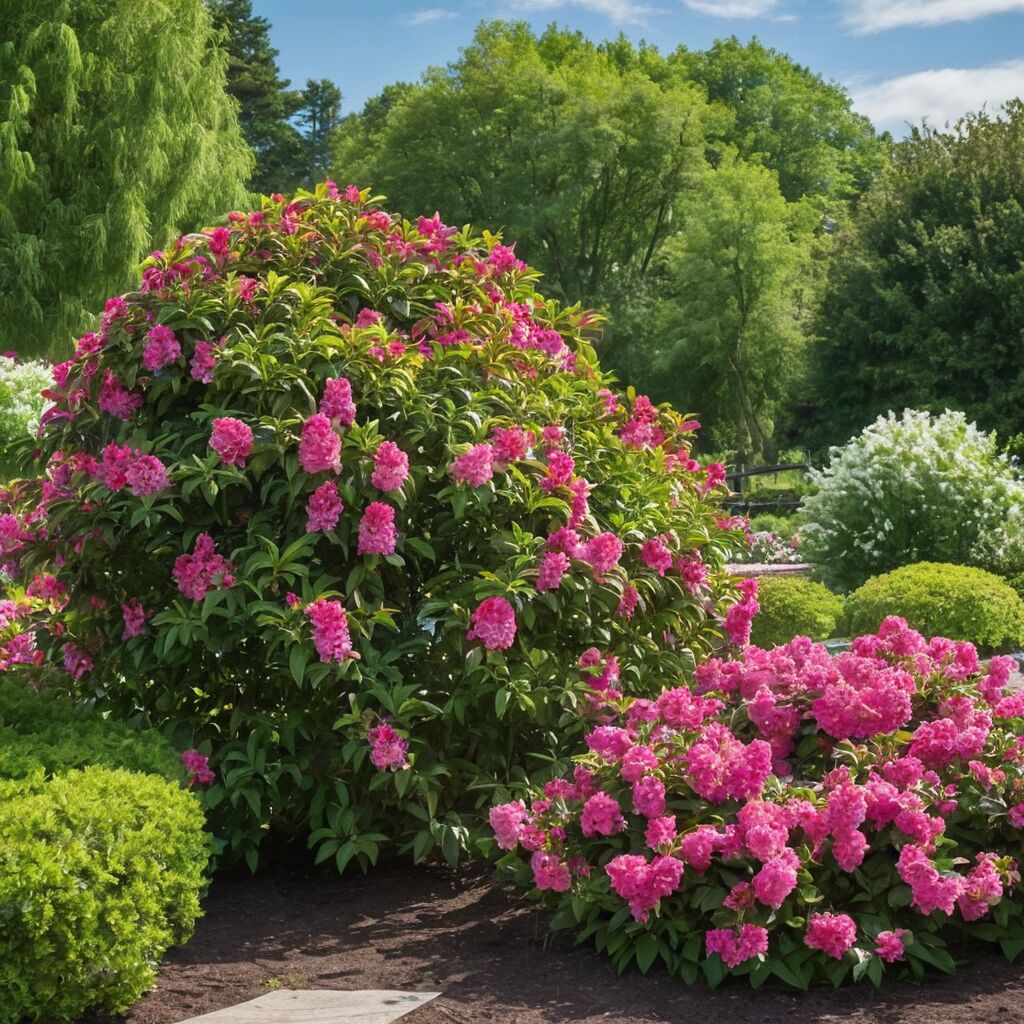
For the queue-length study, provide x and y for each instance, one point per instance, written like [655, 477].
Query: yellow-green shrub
[793, 606]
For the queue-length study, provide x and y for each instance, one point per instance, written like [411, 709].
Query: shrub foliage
[952, 600]
[792, 606]
[340, 500]
[799, 815]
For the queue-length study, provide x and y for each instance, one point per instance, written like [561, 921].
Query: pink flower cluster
[198, 767]
[378, 534]
[203, 570]
[388, 751]
[122, 466]
[324, 508]
[319, 446]
[493, 624]
[161, 349]
[474, 467]
[231, 439]
[330, 630]
[390, 467]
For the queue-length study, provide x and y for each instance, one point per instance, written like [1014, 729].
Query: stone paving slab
[287, 1006]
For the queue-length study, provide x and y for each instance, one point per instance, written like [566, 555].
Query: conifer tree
[115, 132]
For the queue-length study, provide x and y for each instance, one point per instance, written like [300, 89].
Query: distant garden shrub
[21, 403]
[952, 600]
[913, 488]
[792, 606]
[343, 503]
[100, 873]
[799, 815]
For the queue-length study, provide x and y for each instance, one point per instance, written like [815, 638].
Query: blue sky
[902, 60]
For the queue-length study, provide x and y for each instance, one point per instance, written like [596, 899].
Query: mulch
[492, 956]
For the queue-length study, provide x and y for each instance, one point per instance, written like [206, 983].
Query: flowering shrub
[767, 548]
[952, 600]
[909, 489]
[793, 606]
[21, 402]
[798, 814]
[340, 500]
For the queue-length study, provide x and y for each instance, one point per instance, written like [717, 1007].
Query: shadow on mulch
[495, 961]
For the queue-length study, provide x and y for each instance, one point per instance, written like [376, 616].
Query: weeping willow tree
[115, 132]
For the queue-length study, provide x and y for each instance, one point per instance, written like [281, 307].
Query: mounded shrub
[21, 404]
[341, 501]
[913, 488]
[100, 873]
[799, 815]
[793, 606]
[945, 600]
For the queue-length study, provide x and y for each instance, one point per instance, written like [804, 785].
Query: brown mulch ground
[493, 959]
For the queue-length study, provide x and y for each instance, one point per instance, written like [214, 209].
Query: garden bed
[492, 957]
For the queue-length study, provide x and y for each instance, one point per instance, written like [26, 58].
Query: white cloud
[620, 11]
[427, 16]
[940, 95]
[734, 8]
[865, 16]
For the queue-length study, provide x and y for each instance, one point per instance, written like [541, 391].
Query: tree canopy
[115, 133]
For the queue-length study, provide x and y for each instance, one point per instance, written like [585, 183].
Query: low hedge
[101, 869]
[793, 606]
[939, 599]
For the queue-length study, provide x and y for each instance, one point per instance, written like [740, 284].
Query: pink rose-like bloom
[324, 508]
[134, 618]
[777, 878]
[115, 400]
[833, 934]
[203, 362]
[76, 661]
[198, 767]
[889, 945]
[330, 630]
[602, 816]
[203, 570]
[603, 553]
[982, 889]
[494, 624]
[509, 444]
[377, 531]
[739, 945]
[641, 884]
[113, 469]
[337, 404]
[161, 349]
[506, 821]
[550, 872]
[474, 467]
[660, 831]
[320, 446]
[656, 555]
[649, 797]
[390, 467]
[554, 566]
[231, 439]
[627, 604]
[387, 749]
[145, 475]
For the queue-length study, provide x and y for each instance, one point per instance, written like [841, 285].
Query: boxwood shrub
[101, 869]
[794, 606]
[939, 599]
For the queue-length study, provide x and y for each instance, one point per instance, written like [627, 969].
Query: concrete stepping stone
[287, 1006]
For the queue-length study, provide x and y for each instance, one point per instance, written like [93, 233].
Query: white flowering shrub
[21, 401]
[913, 488]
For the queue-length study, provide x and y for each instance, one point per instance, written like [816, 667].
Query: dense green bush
[792, 606]
[100, 873]
[784, 527]
[42, 731]
[335, 493]
[914, 488]
[956, 601]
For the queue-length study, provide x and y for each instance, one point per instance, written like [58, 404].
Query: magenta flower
[115, 400]
[387, 749]
[377, 531]
[330, 630]
[231, 439]
[198, 767]
[134, 618]
[833, 934]
[603, 553]
[390, 467]
[554, 566]
[474, 467]
[161, 349]
[203, 570]
[203, 362]
[889, 945]
[324, 508]
[320, 446]
[494, 624]
[739, 945]
[146, 474]
[337, 404]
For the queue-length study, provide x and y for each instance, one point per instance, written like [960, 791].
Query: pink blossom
[660, 831]
[114, 466]
[736, 946]
[649, 797]
[833, 934]
[203, 362]
[390, 467]
[330, 630]
[602, 816]
[324, 508]
[510, 444]
[198, 767]
[145, 475]
[320, 446]
[134, 618]
[231, 439]
[550, 872]
[76, 661]
[475, 467]
[506, 820]
[553, 567]
[202, 570]
[656, 555]
[115, 400]
[161, 349]
[930, 890]
[388, 751]
[494, 624]
[337, 404]
[641, 884]
[377, 531]
[982, 889]
[889, 945]
[628, 602]
[603, 553]
[777, 878]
